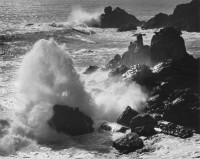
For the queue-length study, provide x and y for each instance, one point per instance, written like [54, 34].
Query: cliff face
[185, 16]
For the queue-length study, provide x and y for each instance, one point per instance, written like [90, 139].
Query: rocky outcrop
[169, 128]
[70, 121]
[143, 125]
[117, 18]
[128, 143]
[185, 16]
[127, 116]
[167, 44]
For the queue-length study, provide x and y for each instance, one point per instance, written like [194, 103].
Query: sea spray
[80, 16]
[47, 77]
[112, 96]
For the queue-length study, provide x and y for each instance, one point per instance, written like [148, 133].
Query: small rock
[128, 143]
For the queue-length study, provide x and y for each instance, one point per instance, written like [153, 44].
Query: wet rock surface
[70, 121]
[128, 143]
[185, 17]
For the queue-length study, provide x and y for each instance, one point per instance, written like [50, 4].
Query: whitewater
[43, 65]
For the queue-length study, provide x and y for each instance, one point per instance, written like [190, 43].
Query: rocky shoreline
[170, 76]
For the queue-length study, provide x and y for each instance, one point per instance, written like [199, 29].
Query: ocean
[36, 74]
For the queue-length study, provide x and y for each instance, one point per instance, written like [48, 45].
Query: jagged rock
[118, 71]
[185, 17]
[128, 143]
[143, 125]
[91, 69]
[174, 130]
[124, 28]
[122, 129]
[137, 53]
[105, 127]
[167, 44]
[70, 121]
[127, 116]
[117, 18]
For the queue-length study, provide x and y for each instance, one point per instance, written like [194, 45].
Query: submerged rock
[127, 116]
[185, 17]
[143, 125]
[117, 18]
[91, 69]
[105, 127]
[70, 121]
[128, 143]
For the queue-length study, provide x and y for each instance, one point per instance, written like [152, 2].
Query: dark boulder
[127, 116]
[174, 130]
[117, 18]
[91, 69]
[143, 125]
[167, 44]
[185, 16]
[70, 121]
[124, 28]
[128, 143]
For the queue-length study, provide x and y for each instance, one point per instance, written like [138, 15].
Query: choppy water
[85, 45]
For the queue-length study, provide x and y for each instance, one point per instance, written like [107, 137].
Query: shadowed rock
[128, 143]
[143, 125]
[127, 116]
[70, 121]
[167, 44]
